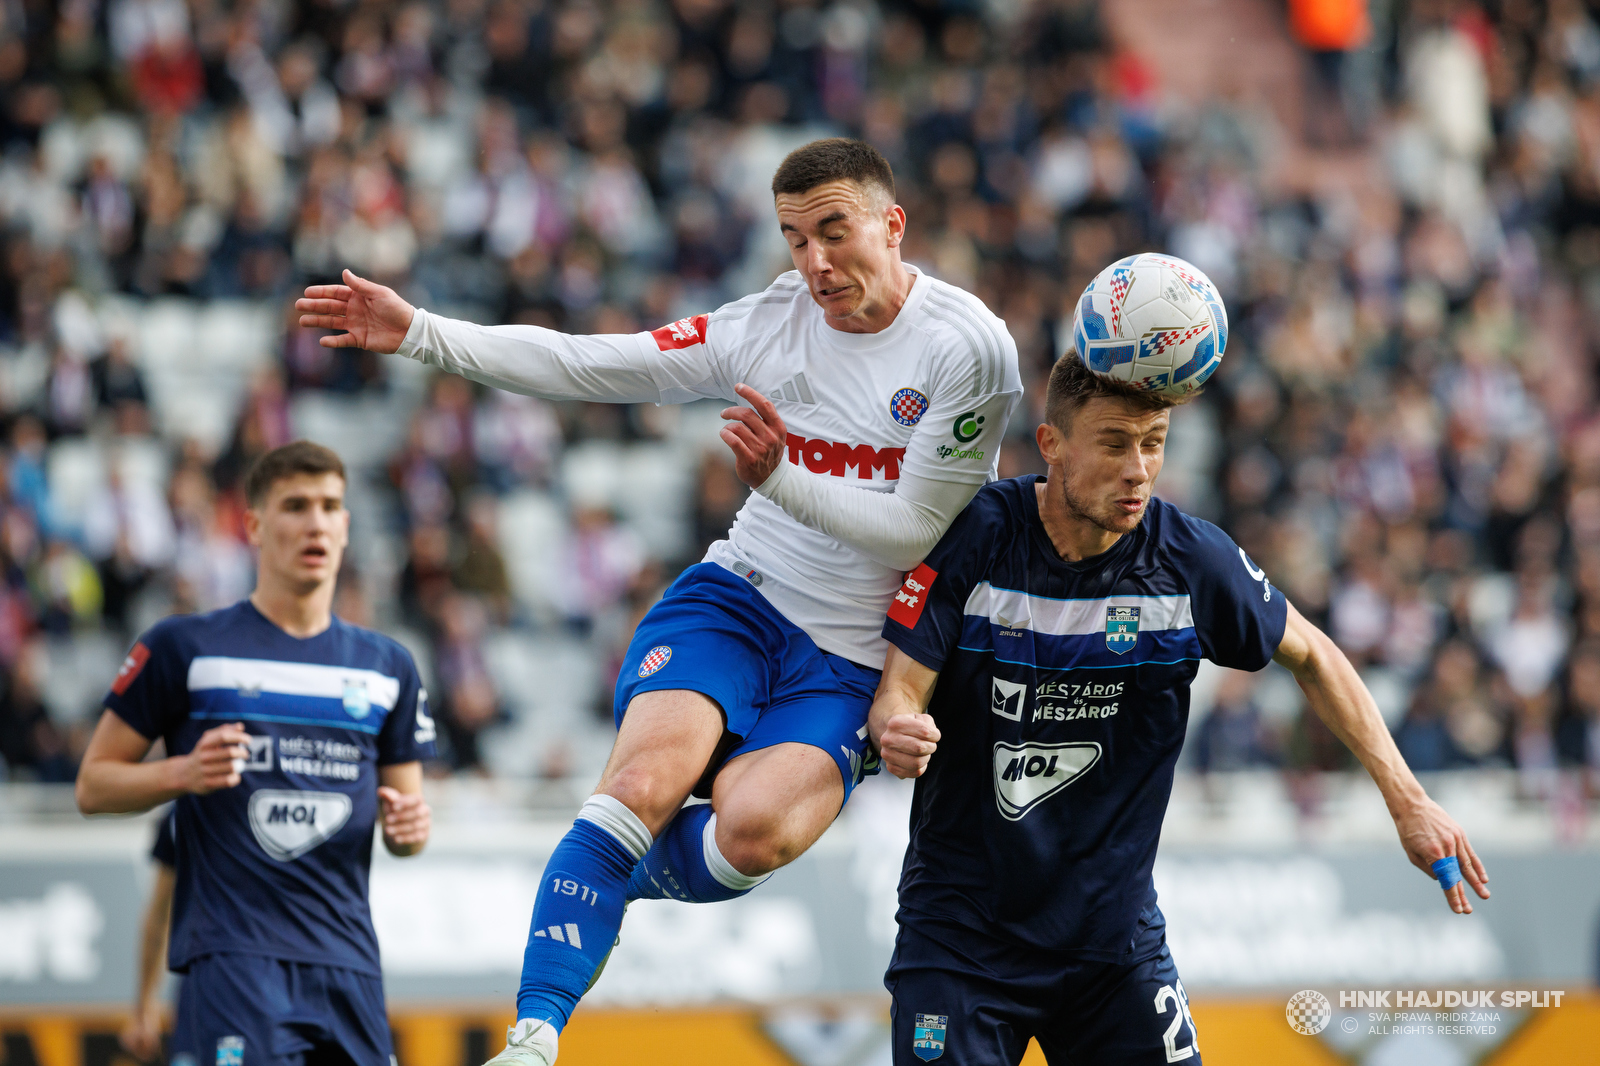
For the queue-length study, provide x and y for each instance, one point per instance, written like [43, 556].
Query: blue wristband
[1448, 871]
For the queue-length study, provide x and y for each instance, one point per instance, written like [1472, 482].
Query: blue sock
[578, 910]
[684, 863]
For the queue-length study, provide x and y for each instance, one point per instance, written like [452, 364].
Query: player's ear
[252, 526]
[894, 220]
[1051, 443]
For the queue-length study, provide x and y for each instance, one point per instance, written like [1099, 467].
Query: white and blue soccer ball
[1151, 321]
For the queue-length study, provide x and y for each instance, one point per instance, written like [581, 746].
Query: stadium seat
[76, 471]
[532, 525]
[238, 335]
[167, 335]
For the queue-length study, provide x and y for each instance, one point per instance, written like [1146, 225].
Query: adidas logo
[554, 933]
[797, 390]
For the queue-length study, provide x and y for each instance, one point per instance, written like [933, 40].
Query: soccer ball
[1153, 322]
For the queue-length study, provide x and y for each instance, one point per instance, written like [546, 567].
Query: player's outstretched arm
[1340, 698]
[407, 819]
[605, 368]
[899, 724]
[372, 316]
[115, 779]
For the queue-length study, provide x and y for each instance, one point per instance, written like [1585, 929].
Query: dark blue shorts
[250, 1010]
[974, 1000]
[713, 633]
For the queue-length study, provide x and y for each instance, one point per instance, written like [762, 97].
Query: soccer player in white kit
[877, 400]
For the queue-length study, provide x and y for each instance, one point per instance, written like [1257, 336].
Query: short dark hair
[1072, 385]
[833, 159]
[300, 457]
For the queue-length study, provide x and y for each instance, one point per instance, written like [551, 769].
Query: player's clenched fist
[908, 741]
[217, 761]
[406, 819]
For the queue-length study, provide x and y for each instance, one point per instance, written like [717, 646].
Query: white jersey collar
[863, 342]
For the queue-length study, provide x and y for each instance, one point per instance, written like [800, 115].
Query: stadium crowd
[1402, 434]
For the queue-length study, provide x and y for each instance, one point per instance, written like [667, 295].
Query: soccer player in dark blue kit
[1037, 685]
[289, 734]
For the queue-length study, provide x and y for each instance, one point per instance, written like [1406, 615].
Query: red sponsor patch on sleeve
[913, 596]
[138, 655]
[681, 334]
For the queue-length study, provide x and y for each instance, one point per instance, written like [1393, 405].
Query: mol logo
[288, 824]
[1025, 775]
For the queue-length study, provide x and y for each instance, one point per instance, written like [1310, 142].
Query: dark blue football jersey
[165, 850]
[1062, 699]
[277, 865]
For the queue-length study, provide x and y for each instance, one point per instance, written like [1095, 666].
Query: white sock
[610, 814]
[720, 867]
[534, 1032]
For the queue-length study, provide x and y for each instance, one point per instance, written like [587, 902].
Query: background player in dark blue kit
[288, 732]
[141, 1036]
[1063, 620]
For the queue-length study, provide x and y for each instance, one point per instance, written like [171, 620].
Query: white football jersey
[931, 394]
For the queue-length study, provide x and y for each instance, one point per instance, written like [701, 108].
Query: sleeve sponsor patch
[137, 656]
[681, 334]
[913, 596]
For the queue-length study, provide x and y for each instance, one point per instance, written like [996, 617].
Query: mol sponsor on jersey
[833, 457]
[288, 823]
[1025, 775]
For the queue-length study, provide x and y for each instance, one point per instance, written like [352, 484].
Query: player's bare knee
[755, 847]
[646, 791]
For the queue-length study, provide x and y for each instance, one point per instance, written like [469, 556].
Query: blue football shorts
[713, 633]
[974, 999]
[251, 1010]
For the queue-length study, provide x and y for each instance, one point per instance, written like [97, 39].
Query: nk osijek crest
[927, 1042]
[1122, 628]
[357, 703]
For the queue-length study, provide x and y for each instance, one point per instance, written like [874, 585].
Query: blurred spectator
[482, 569]
[718, 496]
[469, 702]
[1233, 736]
[66, 588]
[26, 476]
[1330, 30]
[425, 581]
[129, 533]
[32, 746]
[517, 440]
[599, 561]
[119, 387]
[1402, 434]
[1453, 720]
[1580, 722]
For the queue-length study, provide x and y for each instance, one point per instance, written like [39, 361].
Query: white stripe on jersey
[1072, 618]
[290, 679]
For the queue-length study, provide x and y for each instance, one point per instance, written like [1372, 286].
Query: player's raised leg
[782, 785]
[767, 807]
[662, 748]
